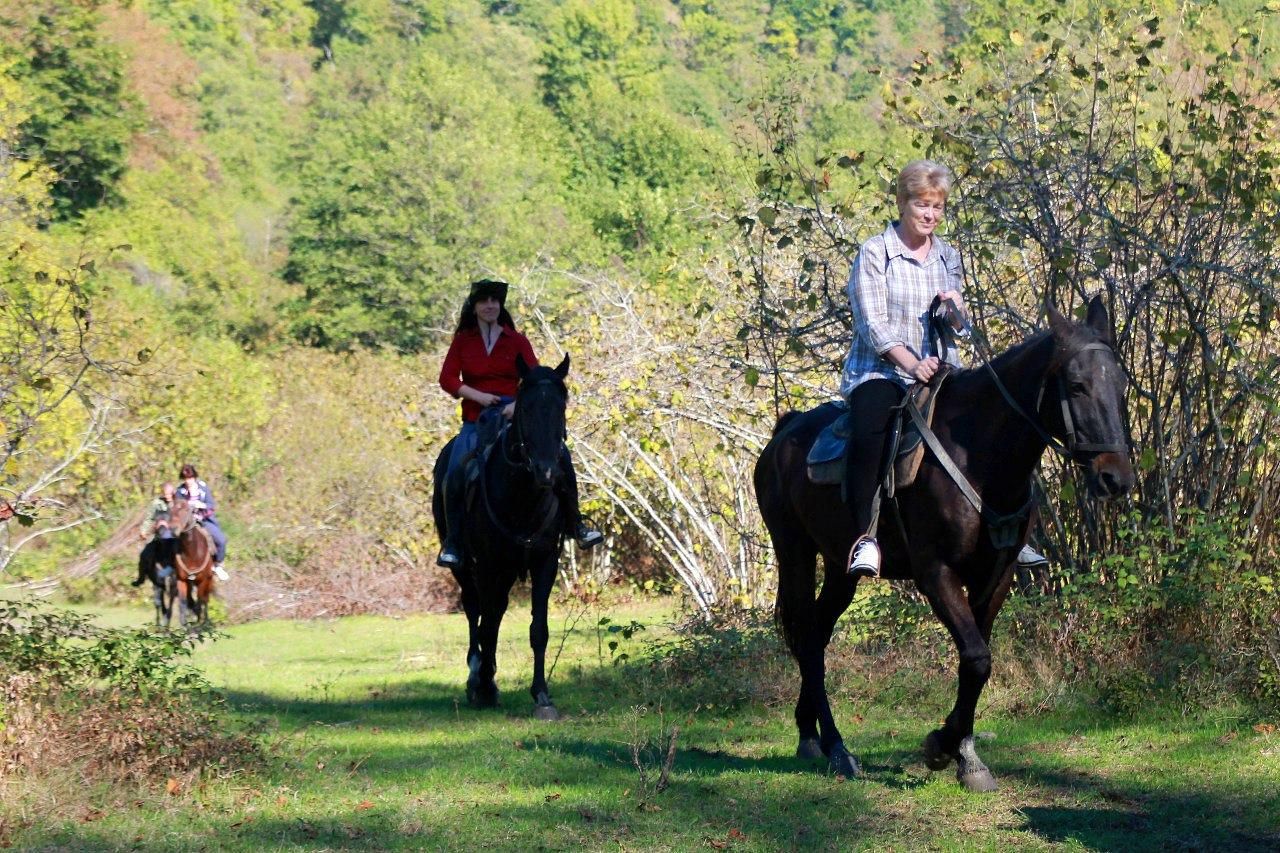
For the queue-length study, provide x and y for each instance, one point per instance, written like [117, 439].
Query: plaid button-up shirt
[890, 291]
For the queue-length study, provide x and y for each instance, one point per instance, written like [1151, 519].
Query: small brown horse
[192, 578]
[1065, 385]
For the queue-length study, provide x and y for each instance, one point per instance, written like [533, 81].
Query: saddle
[490, 427]
[826, 463]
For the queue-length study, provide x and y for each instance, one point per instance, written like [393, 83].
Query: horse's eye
[1077, 389]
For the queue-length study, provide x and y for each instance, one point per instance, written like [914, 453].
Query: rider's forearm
[902, 357]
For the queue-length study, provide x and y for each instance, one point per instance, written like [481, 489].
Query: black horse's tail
[797, 571]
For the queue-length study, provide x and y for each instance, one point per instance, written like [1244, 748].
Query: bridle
[548, 502]
[1072, 447]
[522, 460]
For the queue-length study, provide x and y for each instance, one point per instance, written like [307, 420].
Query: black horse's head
[539, 418]
[1090, 386]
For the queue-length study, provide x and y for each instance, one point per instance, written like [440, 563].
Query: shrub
[108, 704]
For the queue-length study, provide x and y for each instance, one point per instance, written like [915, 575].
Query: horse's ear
[522, 369]
[1100, 321]
[1058, 324]
[562, 369]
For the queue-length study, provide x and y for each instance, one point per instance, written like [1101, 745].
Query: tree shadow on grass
[1143, 819]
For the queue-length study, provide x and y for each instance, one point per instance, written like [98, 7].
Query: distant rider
[196, 492]
[158, 534]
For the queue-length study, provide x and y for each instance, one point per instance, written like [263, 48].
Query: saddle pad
[826, 458]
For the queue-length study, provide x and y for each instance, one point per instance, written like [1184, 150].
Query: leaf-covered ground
[374, 748]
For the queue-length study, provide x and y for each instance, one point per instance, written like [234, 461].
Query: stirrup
[449, 559]
[864, 558]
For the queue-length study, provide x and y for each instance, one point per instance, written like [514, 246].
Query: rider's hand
[487, 400]
[923, 370]
[508, 410]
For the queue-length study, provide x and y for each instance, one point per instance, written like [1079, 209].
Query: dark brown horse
[1065, 385]
[192, 580]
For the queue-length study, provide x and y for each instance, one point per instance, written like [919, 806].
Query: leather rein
[1003, 528]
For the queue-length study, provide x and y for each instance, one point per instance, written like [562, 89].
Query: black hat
[488, 287]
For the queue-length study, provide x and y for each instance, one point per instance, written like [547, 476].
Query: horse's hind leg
[814, 706]
[807, 624]
[543, 579]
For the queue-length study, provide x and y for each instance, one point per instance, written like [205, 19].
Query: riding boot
[586, 536]
[451, 550]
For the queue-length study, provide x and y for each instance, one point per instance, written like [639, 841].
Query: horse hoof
[479, 696]
[546, 712]
[809, 748]
[934, 756]
[842, 763]
[979, 782]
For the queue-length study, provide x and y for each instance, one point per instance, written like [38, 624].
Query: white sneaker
[221, 572]
[1029, 558]
[864, 559]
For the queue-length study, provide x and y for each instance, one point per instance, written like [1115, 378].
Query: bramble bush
[105, 704]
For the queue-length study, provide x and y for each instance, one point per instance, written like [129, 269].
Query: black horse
[156, 553]
[514, 524]
[1065, 383]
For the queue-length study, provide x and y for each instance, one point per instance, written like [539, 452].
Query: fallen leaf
[550, 797]
[1227, 738]
[519, 744]
[364, 806]
[1265, 728]
[282, 801]
[736, 833]
[173, 787]
[92, 815]
[717, 843]
[319, 765]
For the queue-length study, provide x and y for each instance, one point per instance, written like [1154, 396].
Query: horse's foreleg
[184, 589]
[471, 607]
[543, 579]
[954, 741]
[482, 690]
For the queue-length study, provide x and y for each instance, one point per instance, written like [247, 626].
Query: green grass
[372, 747]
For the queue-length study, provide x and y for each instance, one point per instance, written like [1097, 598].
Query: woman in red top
[480, 370]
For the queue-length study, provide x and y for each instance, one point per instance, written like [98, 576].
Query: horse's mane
[966, 381]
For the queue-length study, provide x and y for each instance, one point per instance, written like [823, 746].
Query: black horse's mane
[968, 379]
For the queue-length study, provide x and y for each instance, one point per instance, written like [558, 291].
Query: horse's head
[1090, 410]
[539, 418]
[182, 516]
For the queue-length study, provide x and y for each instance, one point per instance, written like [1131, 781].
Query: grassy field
[372, 747]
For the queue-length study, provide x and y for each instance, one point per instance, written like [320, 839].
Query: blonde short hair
[923, 176]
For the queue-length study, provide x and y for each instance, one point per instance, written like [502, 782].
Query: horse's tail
[797, 566]
[794, 606]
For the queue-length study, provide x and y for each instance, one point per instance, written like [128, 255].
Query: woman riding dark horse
[957, 529]
[480, 370]
[525, 497]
